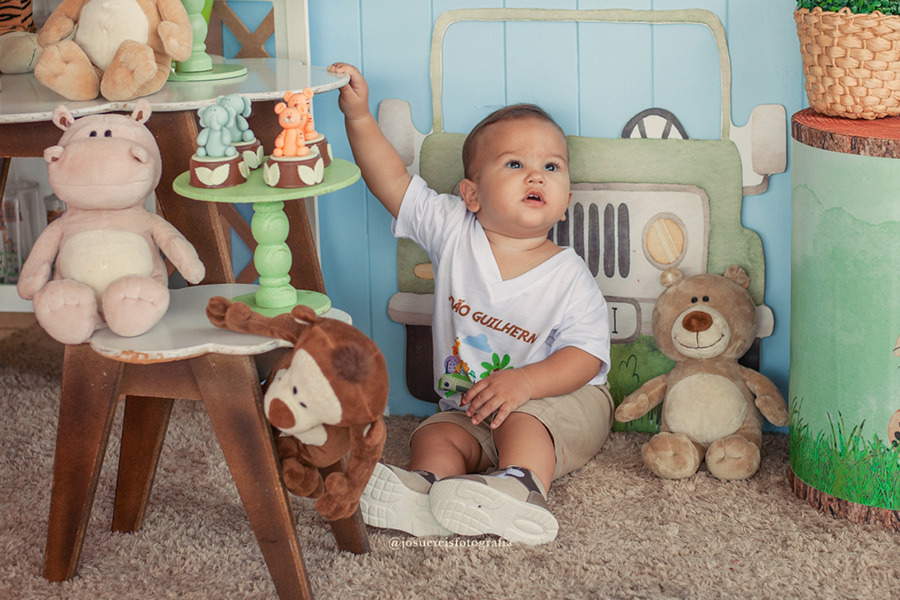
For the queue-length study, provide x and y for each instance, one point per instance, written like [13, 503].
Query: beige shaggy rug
[623, 532]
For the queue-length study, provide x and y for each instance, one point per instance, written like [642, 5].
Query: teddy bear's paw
[176, 40]
[132, 304]
[301, 479]
[287, 446]
[774, 409]
[131, 70]
[66, 69]
[633, 407]
[671, 455]
[335, 508]
[733, 457]
[67, 310]
[19, 52]
[337, 502]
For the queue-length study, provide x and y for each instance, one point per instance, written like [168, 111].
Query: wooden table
[26, 108]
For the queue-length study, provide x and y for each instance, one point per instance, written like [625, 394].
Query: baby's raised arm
[381, 166]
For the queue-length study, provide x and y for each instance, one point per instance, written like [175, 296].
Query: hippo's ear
[62, 118]
[141, 111]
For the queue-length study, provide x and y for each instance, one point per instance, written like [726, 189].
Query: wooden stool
[183, 356]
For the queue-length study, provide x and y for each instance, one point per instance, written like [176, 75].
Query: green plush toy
[713, 407]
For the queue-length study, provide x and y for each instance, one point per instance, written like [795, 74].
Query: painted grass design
[845, 465]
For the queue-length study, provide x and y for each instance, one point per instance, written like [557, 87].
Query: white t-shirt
[482, 323]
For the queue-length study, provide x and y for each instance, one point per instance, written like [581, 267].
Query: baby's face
[520, 186]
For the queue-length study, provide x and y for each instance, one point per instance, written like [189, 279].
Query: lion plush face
[704, 316]
[331, 379]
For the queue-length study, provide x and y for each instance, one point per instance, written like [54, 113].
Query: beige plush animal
[712, 406]
[99, 264]
[122, 49]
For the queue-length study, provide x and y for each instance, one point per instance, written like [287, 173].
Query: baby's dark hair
[507, 113]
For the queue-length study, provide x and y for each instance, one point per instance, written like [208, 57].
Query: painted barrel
[845, 316]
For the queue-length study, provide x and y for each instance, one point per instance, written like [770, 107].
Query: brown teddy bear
[327, 395]
[711, 404]
[121, 49]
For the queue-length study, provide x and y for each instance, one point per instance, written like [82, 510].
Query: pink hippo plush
[99, 263]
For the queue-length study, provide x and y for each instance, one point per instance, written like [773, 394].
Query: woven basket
[851, 62]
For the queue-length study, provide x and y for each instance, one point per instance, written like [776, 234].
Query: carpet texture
[623, 532]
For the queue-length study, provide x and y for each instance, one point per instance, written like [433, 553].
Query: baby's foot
[508, 503]
[398, 499]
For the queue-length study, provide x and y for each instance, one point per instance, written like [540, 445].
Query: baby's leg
[524, 441]
[395, 498]
[446, 449]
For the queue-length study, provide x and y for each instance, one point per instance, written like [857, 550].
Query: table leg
[233, 399]
[143, 433]
[86, 410]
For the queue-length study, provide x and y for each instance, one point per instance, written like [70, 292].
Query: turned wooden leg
[233, 399]
[86, 409]
[143, 433]
[350, 533]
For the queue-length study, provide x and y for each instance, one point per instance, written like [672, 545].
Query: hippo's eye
[93, 134]
[694, 300]
[706, 298]
[303, 404]
[295, 390]
[107, 133]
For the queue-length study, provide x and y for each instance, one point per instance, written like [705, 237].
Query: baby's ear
[468, 192]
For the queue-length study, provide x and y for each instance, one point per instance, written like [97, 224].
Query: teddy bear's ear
[738, 275]
[141, 111]
[670, 276]
[279, 108]
[62, 118]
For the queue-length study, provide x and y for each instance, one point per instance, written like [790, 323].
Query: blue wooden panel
[767, 70]
[686, 70]
[614, 84]
[542, 67]
[396, 41]
[343, 215]
[613, 90]
[469, 94]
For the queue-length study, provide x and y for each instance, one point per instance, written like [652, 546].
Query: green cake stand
[269, 226]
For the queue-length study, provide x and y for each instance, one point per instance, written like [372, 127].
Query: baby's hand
[502, 391]
[354, 97]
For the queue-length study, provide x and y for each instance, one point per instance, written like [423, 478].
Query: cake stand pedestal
[269, 226]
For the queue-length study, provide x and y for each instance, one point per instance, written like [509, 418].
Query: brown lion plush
[711, 404]
[327, 396]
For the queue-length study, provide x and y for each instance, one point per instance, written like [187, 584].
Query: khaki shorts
[579, 423]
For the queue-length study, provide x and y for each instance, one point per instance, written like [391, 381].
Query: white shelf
[10, 301]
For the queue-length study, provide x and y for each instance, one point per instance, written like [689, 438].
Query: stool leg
[143, 433]
[231, 392]
[86, 409]
[350, 533]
